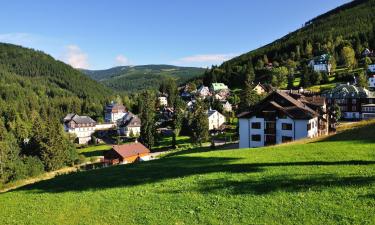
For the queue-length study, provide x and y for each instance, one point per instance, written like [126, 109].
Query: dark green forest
[135, 78]
[36, 91]
[342, 33]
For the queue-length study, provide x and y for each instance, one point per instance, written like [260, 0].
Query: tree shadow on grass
[93, 153]
[183, 166]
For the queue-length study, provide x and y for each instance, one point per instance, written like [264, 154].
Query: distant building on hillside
[371, 68]
[163, 100]
[215, 119]
[127, 153]
[371, 82]
[216, 87]
[114, 112]
[81, 126]
[282, 118]
[129, 125]
[203, 91]
[227, 107]
[321, 63]
[350, 99]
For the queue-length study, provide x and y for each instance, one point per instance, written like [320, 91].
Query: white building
[368, 111]
[130, 125]
[215, 119]
[114, 112]
[81, 126]
[371, 68]
[279, 118]
[371, 82]
[203, 91]
[163, 101]
[321, 63]
[227, 107]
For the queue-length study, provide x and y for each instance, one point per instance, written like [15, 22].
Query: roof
[348, 91]
[322, 59]
[130, 120]
[78, 119]
[131, 149]
[281, 101]
[218, 86]
[211, 112]
[115, 108]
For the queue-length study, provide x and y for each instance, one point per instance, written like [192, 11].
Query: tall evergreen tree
[200, 123]
[146, 105]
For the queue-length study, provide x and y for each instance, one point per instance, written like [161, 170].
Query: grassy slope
[321, 182]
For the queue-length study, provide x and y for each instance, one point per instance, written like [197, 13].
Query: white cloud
[205, 59]
[75, 57]
[121, 60]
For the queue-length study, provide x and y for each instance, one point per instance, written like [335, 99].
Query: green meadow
[322, 181]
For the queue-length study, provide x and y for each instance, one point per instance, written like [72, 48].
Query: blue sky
[101, 34]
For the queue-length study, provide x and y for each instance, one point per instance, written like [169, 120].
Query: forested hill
[351, 25]
[36, 92]
[135, 78]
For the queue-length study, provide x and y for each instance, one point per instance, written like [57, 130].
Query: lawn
[94, 151]
[322, 181]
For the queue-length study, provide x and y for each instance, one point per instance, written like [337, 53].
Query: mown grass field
[324, 181]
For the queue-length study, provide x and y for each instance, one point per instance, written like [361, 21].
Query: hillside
[322, 181]
[351, 25]
[36, 92]
[135, 78]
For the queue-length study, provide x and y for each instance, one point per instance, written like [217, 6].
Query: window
[354, 101]
[287, 126]
[255, 125]
[286, 139]
[354, 108]
[255, 137]
[308, 126]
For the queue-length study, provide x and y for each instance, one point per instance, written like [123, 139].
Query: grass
[322, 181]
[94, 151]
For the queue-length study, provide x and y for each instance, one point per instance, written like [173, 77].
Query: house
[368, 111]
[227, 107]
[216, 87]
[215, 119]
[129, 125]
[203, 91]
[350, 99]
[81, 126]
[280, 118]
[114, 112]
[371, 68]
[371, 82]
[367, 53]
[163, 100]
[259, 89]
[321, 63]
[127, 153]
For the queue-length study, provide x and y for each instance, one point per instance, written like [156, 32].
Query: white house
[130, 125]
[163, 101]
[215, 119]
[371, 82]
[371, 68]
[114, 112]
[227, 107]
[279, 118]
[203, 91]
[321, 63]
[81, 126]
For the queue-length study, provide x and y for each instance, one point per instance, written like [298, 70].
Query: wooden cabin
[127, 153]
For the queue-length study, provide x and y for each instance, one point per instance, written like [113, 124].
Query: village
[280, 116]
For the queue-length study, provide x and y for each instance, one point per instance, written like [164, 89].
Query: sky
[102, 34]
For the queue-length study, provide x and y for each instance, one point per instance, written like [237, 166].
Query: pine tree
[178, 116]
[146, 106]
[200, 123]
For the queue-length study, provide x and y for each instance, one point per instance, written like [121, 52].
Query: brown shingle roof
[132, 149]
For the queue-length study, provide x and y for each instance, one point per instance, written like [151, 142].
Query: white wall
[371, 82]
[280, 132]
[254, 144]
[244, 129]
[215, 121]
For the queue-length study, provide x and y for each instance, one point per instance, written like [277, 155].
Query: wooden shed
[127, 153]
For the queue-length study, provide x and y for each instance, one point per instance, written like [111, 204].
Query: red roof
[129, 150]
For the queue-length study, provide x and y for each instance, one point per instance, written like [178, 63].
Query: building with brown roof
[114, 112]
[127, 153]
[281, 117]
